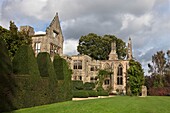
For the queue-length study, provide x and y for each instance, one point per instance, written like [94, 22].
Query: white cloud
[70, 46]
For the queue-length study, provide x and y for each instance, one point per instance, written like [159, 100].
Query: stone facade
[86, 69]
[51, 41]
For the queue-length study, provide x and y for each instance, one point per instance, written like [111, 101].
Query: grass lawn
[120, 104]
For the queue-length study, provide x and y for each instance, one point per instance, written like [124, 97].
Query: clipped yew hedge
[92, 93]
[34, 81]
[77, 85]
[5, 62]
[27, 77]
[80, 94]
[46, 69]
[63, 73]
[24, 62]
[89, 86]
[6, 79]
[103, 93]
[45, 65]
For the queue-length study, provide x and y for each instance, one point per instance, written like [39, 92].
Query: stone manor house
[84, 67]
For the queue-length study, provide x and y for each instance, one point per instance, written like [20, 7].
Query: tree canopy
[135, 77]
[99, 47]
[159, 70]
[14, 38]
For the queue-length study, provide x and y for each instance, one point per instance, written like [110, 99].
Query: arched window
[120, 75]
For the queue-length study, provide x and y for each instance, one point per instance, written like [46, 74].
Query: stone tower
[27, 29]
[113, 54]
[129, 51]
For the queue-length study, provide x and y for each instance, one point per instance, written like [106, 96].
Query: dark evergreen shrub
[80, 94]
[92, 93]
[45, 65]
[77, 85]
[59, 65]
[46, 69]
[24, 62]
[5, 62]
[7, 82]
[99, 89]
[63, 73]
[103, 93]
[89, 86]
[27, 78]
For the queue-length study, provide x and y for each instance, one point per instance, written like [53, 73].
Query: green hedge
[46, 69]
[26, 88]
[5, 62]
[24, 62]
[89, 86]
[7, 82]
[63, 73]
[59, 66]
[27, 77]
[92, 93]
[80, 94]
[77, 85]
[103, 93]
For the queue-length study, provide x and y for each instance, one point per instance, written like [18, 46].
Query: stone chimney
[113, 54]
[27, 29]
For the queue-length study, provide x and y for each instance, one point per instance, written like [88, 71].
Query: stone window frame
[93, 68]
[120, 74]
[55, 33]
[77, 64]
[53, 48]
[37, 47]
[93, 79]
[106, 81]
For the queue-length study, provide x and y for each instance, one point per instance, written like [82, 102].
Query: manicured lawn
[120, 104]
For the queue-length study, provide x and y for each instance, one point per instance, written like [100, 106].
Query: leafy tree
[14, 38]
[157, 68]
[99, 47]
[135, 77]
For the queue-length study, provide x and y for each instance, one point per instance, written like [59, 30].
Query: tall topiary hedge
[46, 69]
[60, 67]
[24, 62]
[27, 77]
[6, 79]
[5, 62]
[45, 65]
[63, 74]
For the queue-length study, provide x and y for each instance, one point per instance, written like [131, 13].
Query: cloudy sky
[147, 22]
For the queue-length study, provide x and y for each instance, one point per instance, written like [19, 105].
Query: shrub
[63, 73]
[80, 94]
[27, 78]
[89, 86]
[99, 89]
[103, 93]
[5, 62]
[46, 69]
[77, 85]
[92, 93]
[7, 82]
[164, 91]
[24, 62]
[45, 66]
[59, 66]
